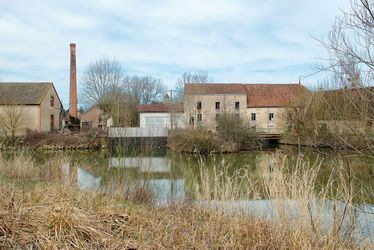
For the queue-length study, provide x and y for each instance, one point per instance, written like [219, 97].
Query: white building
[165, 115]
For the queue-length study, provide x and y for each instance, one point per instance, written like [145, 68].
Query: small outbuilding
[92, 119]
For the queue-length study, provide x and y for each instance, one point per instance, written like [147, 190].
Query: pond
[175, 177]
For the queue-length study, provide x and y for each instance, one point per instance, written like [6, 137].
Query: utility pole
[170, 109]
[117, 110]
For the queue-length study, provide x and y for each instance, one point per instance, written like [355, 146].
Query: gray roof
[23, 92]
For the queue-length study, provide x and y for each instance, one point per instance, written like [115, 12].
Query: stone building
[29, 106]
[261, 106]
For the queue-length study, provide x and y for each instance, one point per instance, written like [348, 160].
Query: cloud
[235, 40]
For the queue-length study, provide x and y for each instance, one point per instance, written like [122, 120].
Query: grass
[49, 215]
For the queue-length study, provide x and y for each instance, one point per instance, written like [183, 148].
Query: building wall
[28, 115]
[208, 109]
[263, 124]
[93, 115]
[46, 110]
[161, 119]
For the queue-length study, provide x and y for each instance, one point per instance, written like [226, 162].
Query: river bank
[56, 142]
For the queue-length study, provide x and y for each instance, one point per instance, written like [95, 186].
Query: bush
[198, 140]
[231, 128]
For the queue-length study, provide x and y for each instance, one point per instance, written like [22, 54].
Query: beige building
[261, 106]
[24, 106]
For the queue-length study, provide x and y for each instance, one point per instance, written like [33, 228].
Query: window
[271, 116]
[198, 105]
[370, 123]
[218, 105]
[237, 105]
[253, 116]
[52, 101]
[192, 120]
[199, 117]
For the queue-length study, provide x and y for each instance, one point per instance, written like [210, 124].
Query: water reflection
[144, 164]
[324, 212]
[80, 177]
[173, 177]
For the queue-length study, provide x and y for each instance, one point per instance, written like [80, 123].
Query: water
[174, 177]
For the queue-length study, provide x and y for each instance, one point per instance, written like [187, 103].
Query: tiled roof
[213, 88]
[272, 95]
[23, 93]
[160, 107]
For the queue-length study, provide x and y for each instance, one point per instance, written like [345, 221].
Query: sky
[249, 41]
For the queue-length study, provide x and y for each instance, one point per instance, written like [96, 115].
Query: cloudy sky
[234, 40]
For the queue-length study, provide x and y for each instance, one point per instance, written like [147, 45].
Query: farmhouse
[262, 106]
[33, 106]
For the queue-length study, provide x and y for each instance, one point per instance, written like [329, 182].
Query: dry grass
[297, 199]
[52, 216]
[60, 217]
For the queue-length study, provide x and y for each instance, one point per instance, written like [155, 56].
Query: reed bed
[51, 215]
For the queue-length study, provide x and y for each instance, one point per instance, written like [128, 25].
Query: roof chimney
[73, 100]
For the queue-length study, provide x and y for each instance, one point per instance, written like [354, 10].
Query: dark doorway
[52, 123]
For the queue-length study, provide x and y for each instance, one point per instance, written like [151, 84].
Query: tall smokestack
[73, 100]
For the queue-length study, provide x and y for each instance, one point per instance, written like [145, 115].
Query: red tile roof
[272, 95]
[213, 88]
[160, 107]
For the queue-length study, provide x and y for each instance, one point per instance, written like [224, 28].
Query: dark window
[199, 117]
[198, 105]
[253, 116]
[52, 101]
[370, 123]
[271, 116]
[192, 120]
[218, 105]
[237, 105]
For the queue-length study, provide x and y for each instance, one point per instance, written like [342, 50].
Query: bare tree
[189, 77]
[351, 65]
[13, 118]
[100, 80]
[145, 89]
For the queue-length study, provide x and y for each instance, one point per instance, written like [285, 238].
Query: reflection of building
[33, 106]
[77, 176]
[262, 106]
[144, 164]
[157, 176]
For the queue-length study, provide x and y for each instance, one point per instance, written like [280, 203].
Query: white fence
[137, 132]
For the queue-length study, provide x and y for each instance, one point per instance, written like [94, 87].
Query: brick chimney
[73, 100]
